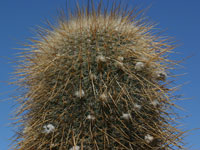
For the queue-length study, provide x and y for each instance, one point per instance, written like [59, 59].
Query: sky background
[181, 18]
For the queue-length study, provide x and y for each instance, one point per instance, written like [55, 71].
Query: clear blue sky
[181, 18]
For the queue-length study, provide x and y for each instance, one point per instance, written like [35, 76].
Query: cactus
[98, 80]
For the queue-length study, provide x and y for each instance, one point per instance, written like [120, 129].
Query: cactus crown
[97, 80]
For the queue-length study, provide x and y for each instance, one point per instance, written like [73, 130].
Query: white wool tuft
[137, 107]
[101, 58]
[155, 103]
[160, 75]
[148, 138]
[139, 66]
[75, 148]
[80, 93]
[48, 128]
[126, 116]
[90, 117]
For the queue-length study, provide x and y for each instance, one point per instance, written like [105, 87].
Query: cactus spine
[97, 81]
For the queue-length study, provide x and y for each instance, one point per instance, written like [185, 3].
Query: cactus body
[97, 81]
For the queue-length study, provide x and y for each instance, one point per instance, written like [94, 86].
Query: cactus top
[97, 81]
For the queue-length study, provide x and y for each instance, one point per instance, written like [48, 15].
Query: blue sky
[181, 18]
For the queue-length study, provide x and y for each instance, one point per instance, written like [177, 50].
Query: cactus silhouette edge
[97, 80]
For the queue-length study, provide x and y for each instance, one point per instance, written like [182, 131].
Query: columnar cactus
[97, 81]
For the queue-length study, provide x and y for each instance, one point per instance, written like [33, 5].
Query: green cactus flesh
[97, 82]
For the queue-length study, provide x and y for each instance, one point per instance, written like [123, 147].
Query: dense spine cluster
[97, 81]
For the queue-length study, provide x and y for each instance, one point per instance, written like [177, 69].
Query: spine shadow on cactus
[97, 80]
